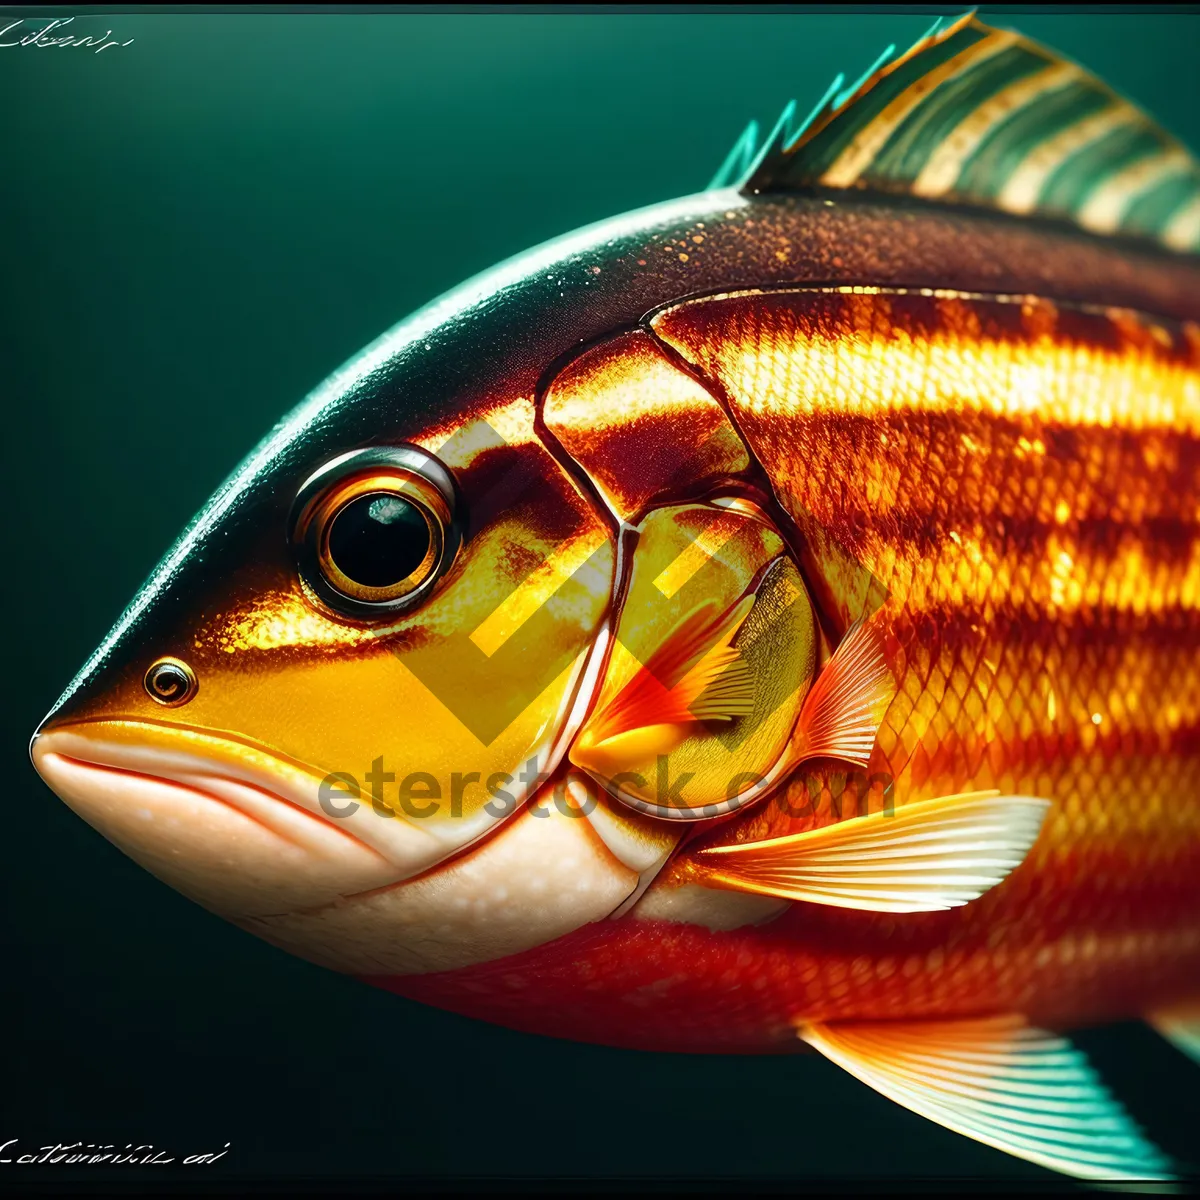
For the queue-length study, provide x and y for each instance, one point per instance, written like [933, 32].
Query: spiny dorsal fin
[980, 116]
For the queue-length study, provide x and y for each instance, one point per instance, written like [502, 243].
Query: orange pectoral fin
[710, 661]
[927, 856]
[698, 675]
[845, 707]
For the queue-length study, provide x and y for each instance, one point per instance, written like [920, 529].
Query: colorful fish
[764, 620]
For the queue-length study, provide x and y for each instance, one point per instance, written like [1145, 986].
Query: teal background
[194, 230]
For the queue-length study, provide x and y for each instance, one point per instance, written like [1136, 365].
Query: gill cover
[713, 654]
[707, 698]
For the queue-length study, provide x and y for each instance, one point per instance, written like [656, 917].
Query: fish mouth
[229, 823]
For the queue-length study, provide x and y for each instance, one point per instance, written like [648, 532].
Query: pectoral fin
[843, 710]
[930, 855]
[997, 1080]
[698, 675]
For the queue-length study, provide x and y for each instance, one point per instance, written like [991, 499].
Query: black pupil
[378, 540]
[170, 682]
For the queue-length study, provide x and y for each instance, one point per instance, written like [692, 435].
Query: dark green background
[194, 230]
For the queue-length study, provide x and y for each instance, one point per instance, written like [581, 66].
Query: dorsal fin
[980, 116]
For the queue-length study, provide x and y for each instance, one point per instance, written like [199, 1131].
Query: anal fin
[926, 856]
[1180, 1025]
[1000, 1081]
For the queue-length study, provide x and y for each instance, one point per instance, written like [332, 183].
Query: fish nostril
[171, 682]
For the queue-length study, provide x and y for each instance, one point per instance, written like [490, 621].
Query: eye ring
[373, 530]
[170, 682]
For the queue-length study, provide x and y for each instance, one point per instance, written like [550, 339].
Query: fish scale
[928, 740]
[1122, 797]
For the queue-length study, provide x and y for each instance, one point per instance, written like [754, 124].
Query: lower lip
[235, 847]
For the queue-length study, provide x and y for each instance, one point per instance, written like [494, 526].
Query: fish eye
[170, 681]
[373, 530]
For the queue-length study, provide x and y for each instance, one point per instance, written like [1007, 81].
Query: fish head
[413, 624]
[364, 653]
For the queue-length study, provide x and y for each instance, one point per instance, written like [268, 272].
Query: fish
[763, 622]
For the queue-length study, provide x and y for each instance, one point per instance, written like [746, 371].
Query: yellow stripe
[1064, 577]
[941, 172]
[1108, 204]
[866, 145]
[1058, 384]
[1020, 193]
[1183, 231]
[541, 584]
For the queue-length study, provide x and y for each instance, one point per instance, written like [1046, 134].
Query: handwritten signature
[42, 41]
[89, 1153]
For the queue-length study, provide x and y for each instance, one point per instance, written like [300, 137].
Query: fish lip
[174, 729]
[131, 758]
[166, 731]
[184, 756]
[242, 837]
[196, 786]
